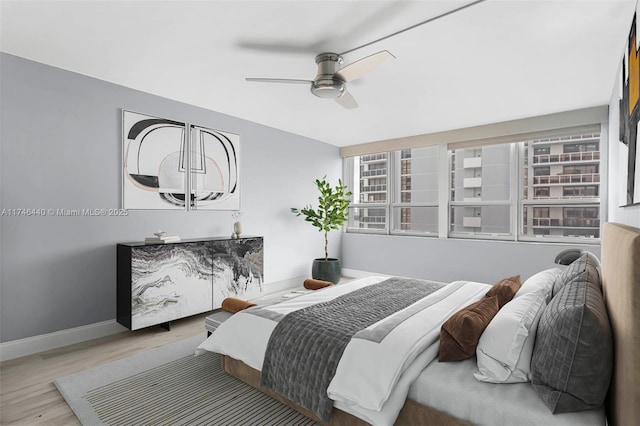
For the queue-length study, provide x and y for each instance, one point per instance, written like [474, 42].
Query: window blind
[489, 134]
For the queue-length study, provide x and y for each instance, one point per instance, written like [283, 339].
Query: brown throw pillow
[460, 334]
[505, 289]
[311, 284]
[233, 304]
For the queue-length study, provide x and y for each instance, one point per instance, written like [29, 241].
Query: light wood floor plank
[27, 393]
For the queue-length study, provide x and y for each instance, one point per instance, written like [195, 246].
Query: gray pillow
[573, 355]
[583, 269]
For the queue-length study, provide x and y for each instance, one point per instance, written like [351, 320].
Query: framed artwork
[173, 165]
[629, 117]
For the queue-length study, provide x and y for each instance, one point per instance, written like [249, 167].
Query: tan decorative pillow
[460, 334]
[505, 289]
[233, 304]
[311, 284]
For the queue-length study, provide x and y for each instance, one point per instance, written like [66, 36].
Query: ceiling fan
[331, 79]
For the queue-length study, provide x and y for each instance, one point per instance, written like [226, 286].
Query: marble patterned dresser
[160, 283]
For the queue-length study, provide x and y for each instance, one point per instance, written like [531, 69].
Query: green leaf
[332, 210]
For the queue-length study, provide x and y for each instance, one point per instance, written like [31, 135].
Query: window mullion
[444, 190]
[516, 158]
[604, 172]
[392, 187]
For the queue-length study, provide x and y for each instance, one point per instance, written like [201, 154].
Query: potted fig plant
[330, 214]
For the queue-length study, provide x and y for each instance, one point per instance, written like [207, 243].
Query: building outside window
[566, 179]
[546, 187]
[481, 187]
[368, 211]
[415, 204]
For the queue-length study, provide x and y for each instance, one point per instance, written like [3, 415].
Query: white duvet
[372, 379]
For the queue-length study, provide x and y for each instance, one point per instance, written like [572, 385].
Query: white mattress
[451, 388]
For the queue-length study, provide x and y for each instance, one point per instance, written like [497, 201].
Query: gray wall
[449, 259]
[62, 149]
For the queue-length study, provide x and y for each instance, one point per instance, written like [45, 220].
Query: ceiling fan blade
[363, 66]
[347, 101]
[278, 80]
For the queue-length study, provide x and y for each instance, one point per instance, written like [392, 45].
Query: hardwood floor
[27, 393]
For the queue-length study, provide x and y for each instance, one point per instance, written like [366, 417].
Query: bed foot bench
[214, 320]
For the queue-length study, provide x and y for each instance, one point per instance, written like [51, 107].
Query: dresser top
[187, 240]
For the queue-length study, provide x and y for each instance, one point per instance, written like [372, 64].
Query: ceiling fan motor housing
[327, 84]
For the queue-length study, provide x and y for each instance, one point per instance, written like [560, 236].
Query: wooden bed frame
[620, 257]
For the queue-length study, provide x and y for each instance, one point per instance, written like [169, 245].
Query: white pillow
[541, 281]
[505, 347]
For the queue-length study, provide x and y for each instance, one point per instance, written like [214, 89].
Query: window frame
[348, 173]
[396, 194]
[513, 196]
[516, 203]
[599, 201]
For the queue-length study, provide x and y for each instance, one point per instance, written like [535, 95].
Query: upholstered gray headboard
[621, 288]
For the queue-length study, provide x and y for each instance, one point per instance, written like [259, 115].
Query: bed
[426, 391]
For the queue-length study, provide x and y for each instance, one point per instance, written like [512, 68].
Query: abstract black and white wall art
[238, 268]
[159, 154]
[214, 170]
[169, 282]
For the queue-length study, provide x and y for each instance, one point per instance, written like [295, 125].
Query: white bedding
[451, 388]
[373, 379]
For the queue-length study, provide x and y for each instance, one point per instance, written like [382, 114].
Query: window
[542, 192]
[539, 212]
[571, 191]
[406, 165]
[376, 198]
[539, 150]
[580, 191]
[581, 169]
[415, 203]
[368, 183]
[592, 146]
[406, 184]
[481, 191]
[542, 171]
[545, 187]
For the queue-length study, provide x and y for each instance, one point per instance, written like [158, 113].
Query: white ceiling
[495, 61]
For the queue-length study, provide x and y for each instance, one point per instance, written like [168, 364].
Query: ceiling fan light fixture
[328, 89]
[326, 85]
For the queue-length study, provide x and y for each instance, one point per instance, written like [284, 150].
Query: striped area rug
[187, 391]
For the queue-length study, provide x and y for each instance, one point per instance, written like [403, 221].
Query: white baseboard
[284, 285]
[45, 342]
[356, 273]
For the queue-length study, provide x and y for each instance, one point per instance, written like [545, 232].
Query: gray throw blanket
[305, 347]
